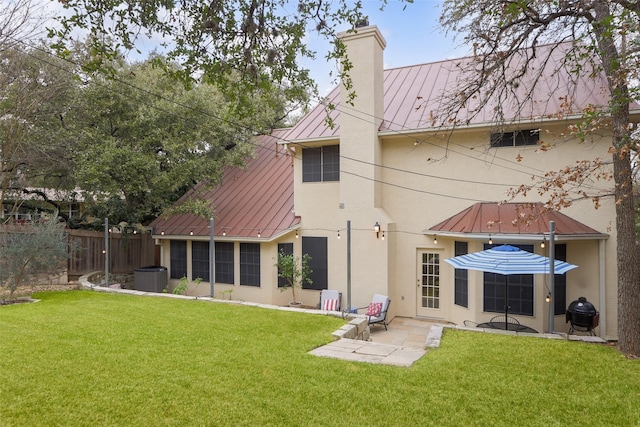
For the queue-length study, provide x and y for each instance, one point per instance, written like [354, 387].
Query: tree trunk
[626, 246]
[627, 249]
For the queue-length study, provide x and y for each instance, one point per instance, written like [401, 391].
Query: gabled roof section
[512, 218]
[413, 95]
[251, 201]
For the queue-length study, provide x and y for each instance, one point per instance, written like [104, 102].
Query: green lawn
[87, 358]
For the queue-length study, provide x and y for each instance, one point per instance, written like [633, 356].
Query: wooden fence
[126, 252]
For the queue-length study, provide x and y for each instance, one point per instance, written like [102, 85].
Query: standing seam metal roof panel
[258, 198]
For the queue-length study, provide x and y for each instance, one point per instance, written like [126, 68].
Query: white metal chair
[377, 310]
[330, 300]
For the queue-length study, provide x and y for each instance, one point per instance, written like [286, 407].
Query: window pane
[287, 249]
[312, 165]
[250, 264]
[520, 290]
[200, 261]
[316, 248]
[514, 139]
[224, 263]
[331, 163]
[178, 262]
[461, 281]
[560, 282]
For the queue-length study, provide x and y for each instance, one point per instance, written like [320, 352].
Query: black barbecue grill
[583, 316]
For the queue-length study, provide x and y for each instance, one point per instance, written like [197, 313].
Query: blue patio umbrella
[507, 260]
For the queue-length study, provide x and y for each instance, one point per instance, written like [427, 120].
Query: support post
[552, 269]
[348, 266]
[106, 252]
[212, 256]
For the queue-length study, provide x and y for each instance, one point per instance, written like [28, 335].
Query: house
[382, 198]
[27, 204]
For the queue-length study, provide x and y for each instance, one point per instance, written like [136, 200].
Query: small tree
[295, 270]
[26, 252]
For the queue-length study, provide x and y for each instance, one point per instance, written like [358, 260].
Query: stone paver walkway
[405, 341]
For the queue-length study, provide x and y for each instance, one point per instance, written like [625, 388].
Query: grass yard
[82, 358]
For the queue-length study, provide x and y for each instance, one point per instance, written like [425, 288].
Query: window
[200, 261]
[560, 282]
[316, 248]
[224, 262]
[430, 280]
[520, 290]
[515, 139]
[74, 210]
[287, 249]
[178, 263]
[250, 264]
[321, 164]
[461, 278]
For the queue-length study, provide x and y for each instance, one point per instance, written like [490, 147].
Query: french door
[428, 280]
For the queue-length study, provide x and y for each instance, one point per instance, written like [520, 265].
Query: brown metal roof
[258, 199]
[314, 124]
[512, 218]
[412, 96]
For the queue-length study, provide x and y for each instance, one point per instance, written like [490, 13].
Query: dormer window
[321, 164]
[516, 138]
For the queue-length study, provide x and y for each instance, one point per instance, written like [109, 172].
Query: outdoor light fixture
[544, 241]
[191, 233]
[224, 232]
[376, 228]
[490, 240]
[435, 239]
[259, 233]
[338, 234]
[162, 232]
[548, 298]
[297, 235]
[383, 235]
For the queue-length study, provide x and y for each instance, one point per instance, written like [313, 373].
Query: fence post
[106, 252]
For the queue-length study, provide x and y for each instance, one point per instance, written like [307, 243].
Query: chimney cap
[364, 22]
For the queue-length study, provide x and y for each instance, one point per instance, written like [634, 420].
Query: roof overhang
[228, 237]
[516, 237]
[512, 222]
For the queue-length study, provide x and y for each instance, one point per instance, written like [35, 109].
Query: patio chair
[330, 300]
[377, 310]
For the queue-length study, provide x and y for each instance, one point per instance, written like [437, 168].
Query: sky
[413, 36]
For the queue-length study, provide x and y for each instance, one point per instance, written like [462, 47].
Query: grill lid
[582, 306]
